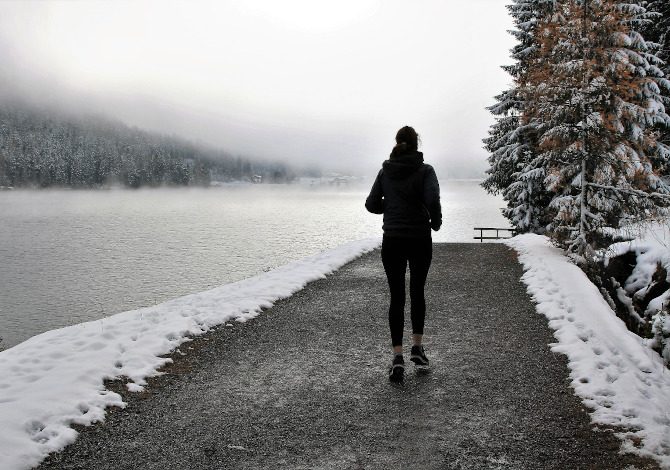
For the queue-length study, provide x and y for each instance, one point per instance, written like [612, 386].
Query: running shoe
[418, 356]
[397, 370]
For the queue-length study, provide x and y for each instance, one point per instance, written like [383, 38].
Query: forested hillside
[43, 148]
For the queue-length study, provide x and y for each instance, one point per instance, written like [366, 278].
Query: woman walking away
[407, 193]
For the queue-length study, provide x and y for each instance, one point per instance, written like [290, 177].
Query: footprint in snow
[34, 426]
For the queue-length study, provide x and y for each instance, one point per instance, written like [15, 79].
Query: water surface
[73, 256]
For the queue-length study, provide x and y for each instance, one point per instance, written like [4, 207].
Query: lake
[72, 256]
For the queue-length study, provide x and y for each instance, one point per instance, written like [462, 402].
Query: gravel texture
[304, 385]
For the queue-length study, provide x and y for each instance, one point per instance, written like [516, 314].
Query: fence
[510, 231]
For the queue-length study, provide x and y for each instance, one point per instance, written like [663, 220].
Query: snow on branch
[636, 192]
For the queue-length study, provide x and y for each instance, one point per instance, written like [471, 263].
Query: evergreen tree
[592, 94]
[512, 143]
[656, 30]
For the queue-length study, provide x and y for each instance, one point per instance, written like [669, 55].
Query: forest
[46, 148]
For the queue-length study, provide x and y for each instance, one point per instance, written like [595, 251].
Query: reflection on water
[73, 256]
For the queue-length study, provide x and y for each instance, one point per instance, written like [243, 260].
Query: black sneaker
[397, 370]
[418, 356]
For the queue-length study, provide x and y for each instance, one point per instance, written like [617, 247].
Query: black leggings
[396, 253]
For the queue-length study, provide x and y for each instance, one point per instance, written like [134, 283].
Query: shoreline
[68, 366]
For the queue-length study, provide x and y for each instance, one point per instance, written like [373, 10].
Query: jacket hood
[402, 164]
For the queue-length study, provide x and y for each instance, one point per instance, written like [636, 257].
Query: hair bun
[407, 138]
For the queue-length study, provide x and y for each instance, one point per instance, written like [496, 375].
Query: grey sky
[327, 82]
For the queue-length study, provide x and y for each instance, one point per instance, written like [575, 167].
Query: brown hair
[407, 138]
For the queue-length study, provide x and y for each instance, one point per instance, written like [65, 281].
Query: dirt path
[304, 385]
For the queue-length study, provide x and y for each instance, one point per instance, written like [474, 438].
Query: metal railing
[510, 231]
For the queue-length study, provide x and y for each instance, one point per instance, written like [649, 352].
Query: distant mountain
[45, 148]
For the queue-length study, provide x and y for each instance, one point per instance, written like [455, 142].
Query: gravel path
[304, 385]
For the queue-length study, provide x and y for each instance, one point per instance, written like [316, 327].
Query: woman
[406, 191]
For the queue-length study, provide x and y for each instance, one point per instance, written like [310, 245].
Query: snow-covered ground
[56, 379]
[651, 245]
[623, 382]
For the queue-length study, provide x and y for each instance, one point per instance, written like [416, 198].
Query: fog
[323, 84]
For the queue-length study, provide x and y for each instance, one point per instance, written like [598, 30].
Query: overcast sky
[327, 82]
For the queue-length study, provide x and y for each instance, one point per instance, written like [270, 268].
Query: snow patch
[622, 382]
[56, 379]
[651, 247]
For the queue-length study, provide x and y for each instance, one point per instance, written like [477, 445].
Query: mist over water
[73, 256]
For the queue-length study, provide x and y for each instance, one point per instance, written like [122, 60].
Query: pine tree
[592, 94]
[657, 31]
[511, 143]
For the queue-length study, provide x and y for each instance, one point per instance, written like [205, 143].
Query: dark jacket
[406, 191]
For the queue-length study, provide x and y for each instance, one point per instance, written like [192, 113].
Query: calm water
[73, 256]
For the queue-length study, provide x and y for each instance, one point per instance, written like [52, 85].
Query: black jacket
[406, 191]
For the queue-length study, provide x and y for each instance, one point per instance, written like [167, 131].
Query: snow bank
[55, 379]
[623, 382]
[651, 247]
[652, 239]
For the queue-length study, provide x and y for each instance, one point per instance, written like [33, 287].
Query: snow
[56, 379]
[617, 377]
[651, 247]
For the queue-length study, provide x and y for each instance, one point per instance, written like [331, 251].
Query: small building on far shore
[336, 180]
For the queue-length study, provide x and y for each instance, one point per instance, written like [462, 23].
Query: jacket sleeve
[374, 203]
[431, 198]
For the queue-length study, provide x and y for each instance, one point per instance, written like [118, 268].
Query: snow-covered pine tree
[593, 95]
[656, 30]
[512, 144]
